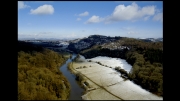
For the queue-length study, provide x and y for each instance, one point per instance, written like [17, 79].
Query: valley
[97, 72]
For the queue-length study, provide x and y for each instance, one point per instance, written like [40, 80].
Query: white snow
[113, 62]
[114, 86]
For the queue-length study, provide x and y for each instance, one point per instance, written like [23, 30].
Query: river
[76, 91]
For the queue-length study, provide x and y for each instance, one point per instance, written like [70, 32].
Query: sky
[79, 19]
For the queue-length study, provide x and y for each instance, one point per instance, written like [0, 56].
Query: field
[106, 84]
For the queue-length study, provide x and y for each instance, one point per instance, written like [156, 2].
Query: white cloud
[158, 17]
[94, 19]
[72, 35]
[146, 18]
[78, 19]
[43, 10]
[84, 14]
[43, 33]
[131, 12]
[21, 5]
[132, 32]
[35, 34]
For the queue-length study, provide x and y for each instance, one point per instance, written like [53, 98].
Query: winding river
[76, 91]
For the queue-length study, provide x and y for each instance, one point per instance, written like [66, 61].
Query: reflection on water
[76, 90]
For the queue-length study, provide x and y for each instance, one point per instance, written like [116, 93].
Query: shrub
[117, 68]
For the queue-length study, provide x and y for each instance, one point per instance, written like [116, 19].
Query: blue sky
[78, 19]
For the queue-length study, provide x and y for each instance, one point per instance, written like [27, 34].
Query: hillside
[145, 57]
[78, 45]
[38, 75]
[85, 43]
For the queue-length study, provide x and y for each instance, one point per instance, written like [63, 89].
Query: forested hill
[146, 59]
[85, 43]
[78, 45]
[28, 47]
[38, 75]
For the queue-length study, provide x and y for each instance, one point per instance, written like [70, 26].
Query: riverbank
[94, 91]
[104, 83]
[38, 76]
[75, 89]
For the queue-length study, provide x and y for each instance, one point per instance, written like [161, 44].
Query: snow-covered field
[99, 94]
[130, 91]
[107, 82]
[113, 62]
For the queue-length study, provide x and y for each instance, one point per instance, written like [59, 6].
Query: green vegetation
[81, 80]
[98, 51]
[79, 77]
[38, 75]
[122, 71]
[146, 59]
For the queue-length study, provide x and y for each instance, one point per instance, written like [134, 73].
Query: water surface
[76, 91]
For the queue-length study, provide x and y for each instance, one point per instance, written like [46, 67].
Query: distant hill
[152, 39]
[28, 47]
[78, 45]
